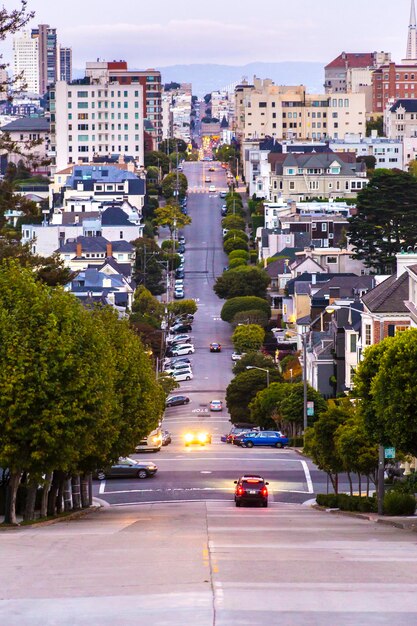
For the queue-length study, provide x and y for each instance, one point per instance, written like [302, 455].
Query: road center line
[308, 477]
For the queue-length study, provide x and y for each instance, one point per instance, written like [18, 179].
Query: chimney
[109, 249]
[334, 294]
[79, 249]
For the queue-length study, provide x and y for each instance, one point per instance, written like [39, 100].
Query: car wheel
[188, 378]
[142, 474]
[101, 475]
[190, 351]
[238, 503]
[278, 445]
[249, 444]
[265, 504]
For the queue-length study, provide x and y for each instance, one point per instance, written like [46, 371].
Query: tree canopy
[242, 281]
[169, 185]
[242, 389]
[248, 337]
[243, 304]
[384, 223]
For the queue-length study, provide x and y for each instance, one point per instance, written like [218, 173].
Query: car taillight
[240, 491]
[264, 491]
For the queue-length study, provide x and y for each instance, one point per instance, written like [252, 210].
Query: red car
[215, 347]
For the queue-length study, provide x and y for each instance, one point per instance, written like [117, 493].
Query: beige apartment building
[264, 109]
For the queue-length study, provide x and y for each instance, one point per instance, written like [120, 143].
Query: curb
[372, 517]
[64, 518]
[103, 504]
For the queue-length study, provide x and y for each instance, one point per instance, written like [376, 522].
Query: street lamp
[262, 369]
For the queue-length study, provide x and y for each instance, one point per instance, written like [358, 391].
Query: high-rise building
[26, 62]
[64, 58]
[93, 119]
[150, 80]
[48, 62]
[338, 73]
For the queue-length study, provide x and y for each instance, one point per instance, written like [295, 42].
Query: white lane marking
[176, 501]
[235, 458]
[102, 487]
[309, 502]
[308, 477]
[187, 489]
[205, 472]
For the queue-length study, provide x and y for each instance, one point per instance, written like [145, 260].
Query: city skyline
[94, 30]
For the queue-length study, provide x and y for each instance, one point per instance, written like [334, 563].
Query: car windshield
[252, 482]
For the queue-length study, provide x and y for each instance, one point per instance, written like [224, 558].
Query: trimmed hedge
[243, 303]
[233, 263]
[344, 502]
[234, 244]
[239, 254]
[396, 503]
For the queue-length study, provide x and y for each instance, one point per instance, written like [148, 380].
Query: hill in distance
[211, 77]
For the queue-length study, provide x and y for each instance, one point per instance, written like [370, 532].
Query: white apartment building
[166, 115]
[92, 118]
[388, 153]
[26, 62]
[181, 113]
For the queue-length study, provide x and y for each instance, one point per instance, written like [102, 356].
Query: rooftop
[28, 124]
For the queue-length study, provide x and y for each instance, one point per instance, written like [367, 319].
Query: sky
[234, 32]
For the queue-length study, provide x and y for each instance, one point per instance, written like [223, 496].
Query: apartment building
[388, 153]
[26, 62]
[24, 130]
[95, 117]
[306, 176]
[351, 69]
[284, 112]
[64, 59]
[47, 55]
[150, 80]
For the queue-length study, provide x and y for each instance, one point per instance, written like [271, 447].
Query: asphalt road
[207, 473]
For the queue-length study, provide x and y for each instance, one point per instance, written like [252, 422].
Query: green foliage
[168, 245]
[236, 263]
[157, 159]
[171, 216]
[396, 503]
[244, 303]
[251, 317]
[167, 383]
[238, 254]
[235, 233]
[233, 222]
[375, 123]
[353, 445]
[248, 337]
[347, 503]
[385, 385]
[182, 307]
[146, 308]
[169, 185]
[170, 146]
[242, 281]
[242, 389]
[254, 358]
[257, 222]
[384, 223]
[235, 243]
[225, 153]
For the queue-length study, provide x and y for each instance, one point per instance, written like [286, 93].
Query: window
[331, 260]
[292, 185]
[82, 94]
[262, 105]
[368, 334]
[400, 329]
[82, 105]
[353, 340]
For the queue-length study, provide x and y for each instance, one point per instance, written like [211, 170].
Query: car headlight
[202, 437]
[189, 437]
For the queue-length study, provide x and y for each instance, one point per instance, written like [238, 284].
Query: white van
[180, 376]
[182, 349]
[151, 443]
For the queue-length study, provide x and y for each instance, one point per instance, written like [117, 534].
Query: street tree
[169, 185]
[236, 233]
[260, 318]
[257, 359]
[149, 265]
[385, 386]
[233, 263]
[239, 254]
[157, 159]
[235, 243]
[233, 222]
[320, 443]
[169, 146]
[171, 216]
[248, 337]
[384, 223]
[182, 307]
[242, 389]
[146, 308]
[242, 281]
[243, 304]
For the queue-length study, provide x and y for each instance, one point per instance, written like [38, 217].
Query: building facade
[26, 62]
[91, 119]
[64, 58]
[47, 51]
[338, 75]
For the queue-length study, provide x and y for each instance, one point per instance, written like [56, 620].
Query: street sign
[310, 408]
[389, 453]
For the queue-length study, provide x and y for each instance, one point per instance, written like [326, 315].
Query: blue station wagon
[272, 438]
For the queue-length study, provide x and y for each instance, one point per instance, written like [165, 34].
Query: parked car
[238, 428]
[166, 438]
[151, 443]
[216, 405]
[179, 273]
[181, 376]
[197, 437]
[236, 439]
[223, 211]
[181, 248]
[181, 239]
[181, 368]
[215, 347]
[212, 189]
[236, 356]
[271, 438]
[225, 231]
[180, 338]
[251, 489]
[180, 350]
[177, 401]
[223, 194]
[208, 179]
[179, 293]
[177, 359]
[127, 468]
[180, 328]
[185, 318]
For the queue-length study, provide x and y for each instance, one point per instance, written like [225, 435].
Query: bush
[234, 233]
[239, 254]
[234, 244]
[396, 503]
[345, 502]
[251, 317]
[168, 244]
[407, 484]
[243, 303]
[296, 442]
[236, 263]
